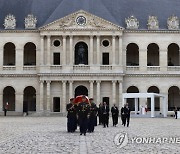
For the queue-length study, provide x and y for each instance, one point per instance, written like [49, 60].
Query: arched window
[81, 53]
[173, 98]
[9, 54]
[29, 103]
[173, 55]
[81, 90]
[9, 97]
[131, 101]
[29, 54]
[132, 55]
[153, 89]
[153, 55]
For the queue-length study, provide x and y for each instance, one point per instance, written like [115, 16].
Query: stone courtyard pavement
[26, 135]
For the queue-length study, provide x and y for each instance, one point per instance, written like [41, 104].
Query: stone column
[124, 57]
[64, 96]
[19, 59]
[19, 102]
[64, 51]
[42, 51]
[98, 92]
[163, 56]
[48, 95]
[136, 105]
[41, 102]
[1, 58]
[48, 50]
[71, 89]
[114, 92]
[113, 50]
[120, 94]
[98, 50]
[1, 102]
[152, 106]
[120, 52]
[165, 106]
[143, 59]
[91, 89]
[91, 51]
[71, 51]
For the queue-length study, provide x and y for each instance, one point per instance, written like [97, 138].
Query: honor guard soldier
[83, 115]
[92, 121]
[71, 116]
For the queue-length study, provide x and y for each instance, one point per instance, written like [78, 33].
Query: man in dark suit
[92, 116]
[123, 118]
[105, 111]
[83, 115]
[127, 114]
[115, 114]
[100, 114]
[71, 116]
[175, 112]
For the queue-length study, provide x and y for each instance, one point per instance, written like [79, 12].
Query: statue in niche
[81, 54]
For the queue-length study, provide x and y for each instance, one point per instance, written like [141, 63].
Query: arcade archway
[29, 103]
[9, 97]
[131, 101]
[81, 90]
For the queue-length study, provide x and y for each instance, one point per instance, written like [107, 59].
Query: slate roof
[114, 11]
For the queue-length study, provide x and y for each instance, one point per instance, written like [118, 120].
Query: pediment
[81, 20]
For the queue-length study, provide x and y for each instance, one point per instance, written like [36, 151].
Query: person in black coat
[127, 115]
[92, 116]
[123, 118]
[71, 116]
[105, 111]
[115, 114]
[175, 112]
[83, 115]
[100, 114]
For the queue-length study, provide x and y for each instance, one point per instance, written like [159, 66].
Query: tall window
[29, 54]
[153, 55]
[9, 54]
[56, 58]
[173, 55]
[81, 53]
[105, 58]
[132, 55]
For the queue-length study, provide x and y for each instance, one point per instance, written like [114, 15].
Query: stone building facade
[43, 66]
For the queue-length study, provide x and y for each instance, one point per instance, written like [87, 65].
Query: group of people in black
[85, 115]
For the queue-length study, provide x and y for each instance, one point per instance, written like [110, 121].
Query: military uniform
[92, 117]
[83, 114]
[71, 118]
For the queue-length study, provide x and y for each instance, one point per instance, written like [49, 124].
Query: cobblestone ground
[44, 135]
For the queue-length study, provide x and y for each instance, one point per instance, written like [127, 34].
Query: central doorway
[81, 90]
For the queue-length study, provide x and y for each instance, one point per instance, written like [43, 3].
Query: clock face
[81, 20]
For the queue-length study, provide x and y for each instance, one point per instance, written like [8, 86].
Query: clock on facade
[81, 20]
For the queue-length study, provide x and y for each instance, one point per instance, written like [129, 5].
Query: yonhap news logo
[122, 139]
